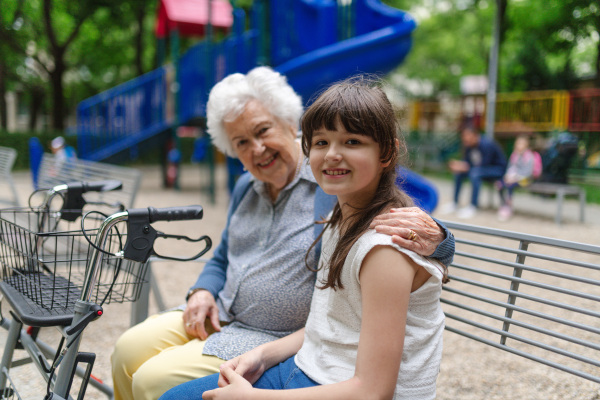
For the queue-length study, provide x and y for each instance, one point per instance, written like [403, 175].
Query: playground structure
[313, 43]
[535, 111]
[543, 114]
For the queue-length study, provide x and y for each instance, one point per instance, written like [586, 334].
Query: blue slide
[379, 42]
[312, 42]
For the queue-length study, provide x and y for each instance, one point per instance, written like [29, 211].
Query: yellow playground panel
[536, 111]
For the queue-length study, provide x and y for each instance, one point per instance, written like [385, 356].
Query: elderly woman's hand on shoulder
[411, 228]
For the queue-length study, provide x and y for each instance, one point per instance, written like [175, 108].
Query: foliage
[20, 142]
[73, 49]
[448, 43]
[543, 40]
[546, 44]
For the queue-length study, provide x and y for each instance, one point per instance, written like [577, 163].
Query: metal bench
[7, 160]
[52, 173]
[532, 296]
[560, 191]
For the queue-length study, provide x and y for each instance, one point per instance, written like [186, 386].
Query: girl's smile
[336, 172]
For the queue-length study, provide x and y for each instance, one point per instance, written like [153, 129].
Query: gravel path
[469, 370]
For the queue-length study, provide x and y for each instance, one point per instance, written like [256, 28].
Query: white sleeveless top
[328, 354]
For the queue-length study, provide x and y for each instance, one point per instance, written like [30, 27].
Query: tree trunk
[598, 58]
[58, 101]
[139, 39]
[35, 105]
[502, 6]
[3, 111]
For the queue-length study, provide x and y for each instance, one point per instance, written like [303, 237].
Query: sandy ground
[469, 370]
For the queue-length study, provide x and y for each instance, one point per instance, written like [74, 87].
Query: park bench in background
[532, 296]
[52, 173]
[560, 190]
[7, 160]
[578, 180]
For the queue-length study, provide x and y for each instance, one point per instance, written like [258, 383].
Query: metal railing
[532, 296]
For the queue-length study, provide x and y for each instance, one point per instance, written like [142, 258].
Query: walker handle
[141, 235]
[174, 213]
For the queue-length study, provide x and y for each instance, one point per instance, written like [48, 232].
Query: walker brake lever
[141, 236]
[204, 238]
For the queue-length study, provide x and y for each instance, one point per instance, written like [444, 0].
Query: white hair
[229, 97]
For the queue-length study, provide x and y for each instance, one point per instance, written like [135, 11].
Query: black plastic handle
[74, 201]
[95, 186]
[175, 213]
[141, 235]
[102, 186]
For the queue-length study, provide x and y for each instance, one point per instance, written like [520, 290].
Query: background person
[524, 165]
[353, 346]
[483, 160]
[63, 153]
[256, 283]
[62, 150]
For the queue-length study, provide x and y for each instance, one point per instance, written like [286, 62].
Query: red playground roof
[191, 16]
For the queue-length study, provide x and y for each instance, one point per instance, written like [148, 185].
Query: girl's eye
[320, 143]
[353, 141]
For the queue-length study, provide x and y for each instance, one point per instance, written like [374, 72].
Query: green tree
[68, 42]
[542, 42]
[449, 42]
[17, 61]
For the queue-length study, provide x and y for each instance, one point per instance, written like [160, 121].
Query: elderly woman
[257, 286]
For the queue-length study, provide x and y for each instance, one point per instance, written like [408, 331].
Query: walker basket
[44, 261]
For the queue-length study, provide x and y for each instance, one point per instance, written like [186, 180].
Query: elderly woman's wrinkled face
[264, 144]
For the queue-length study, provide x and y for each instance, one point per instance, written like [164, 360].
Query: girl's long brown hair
[360, 106]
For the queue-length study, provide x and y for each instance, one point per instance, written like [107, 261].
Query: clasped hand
[237, 376]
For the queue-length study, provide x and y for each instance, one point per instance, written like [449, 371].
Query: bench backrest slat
[7, 159]
[534, 296]
[53, 173]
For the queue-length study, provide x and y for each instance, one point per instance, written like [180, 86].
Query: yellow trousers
[156, 355]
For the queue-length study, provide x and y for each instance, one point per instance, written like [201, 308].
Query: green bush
[20, 142]
[148, 154]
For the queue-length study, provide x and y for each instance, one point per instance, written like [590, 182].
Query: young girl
[524, 165]
[375, 324]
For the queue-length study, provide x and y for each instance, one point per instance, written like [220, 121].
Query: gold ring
[189, 324]
[412, 235]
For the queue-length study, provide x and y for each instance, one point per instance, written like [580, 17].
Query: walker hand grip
[101, 186]
[74, 201]
[175, 213]
[141, 235]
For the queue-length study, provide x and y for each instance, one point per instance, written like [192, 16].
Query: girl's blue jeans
[286, 375]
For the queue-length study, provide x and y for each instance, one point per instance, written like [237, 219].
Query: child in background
[62, 150]
[375, 324]
[524, 165]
